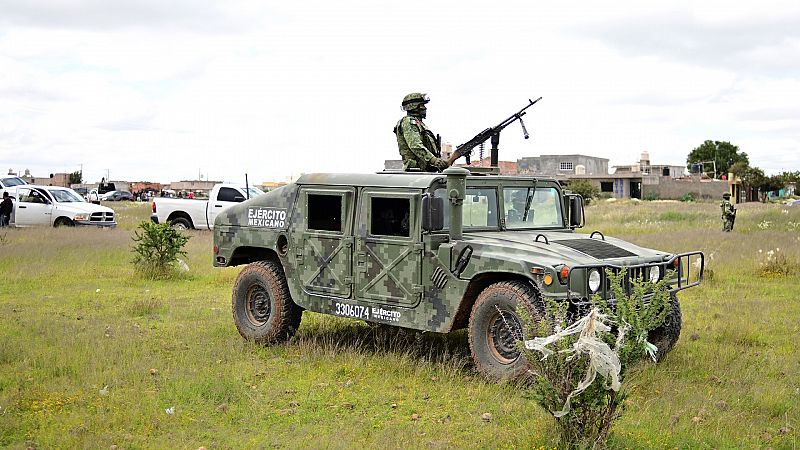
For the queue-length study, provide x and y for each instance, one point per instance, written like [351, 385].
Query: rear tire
[181, 223]
[666, 336]
[495, 328]
[262, 307]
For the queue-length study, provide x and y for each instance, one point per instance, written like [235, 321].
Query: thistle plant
[581, 368]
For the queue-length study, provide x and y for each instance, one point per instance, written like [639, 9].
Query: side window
[31, 196]
[227, 194]
[480, 207]
[325, 212]
[390, 216]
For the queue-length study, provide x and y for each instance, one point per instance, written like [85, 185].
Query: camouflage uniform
[416, 142]
[728, 213]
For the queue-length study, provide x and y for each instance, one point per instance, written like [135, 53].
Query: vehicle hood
[559, 247]
[83, 207]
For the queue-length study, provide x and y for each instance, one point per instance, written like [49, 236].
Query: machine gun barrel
[465, 149]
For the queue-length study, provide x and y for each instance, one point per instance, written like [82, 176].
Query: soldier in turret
[418, 146]
[728, 212]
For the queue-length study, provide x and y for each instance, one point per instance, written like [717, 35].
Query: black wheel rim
[259, 304]
[502, 334]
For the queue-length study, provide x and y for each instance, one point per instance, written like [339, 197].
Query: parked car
[82, 191]
[200, 214]
[116, 196]
[57, 206]
[9, 183]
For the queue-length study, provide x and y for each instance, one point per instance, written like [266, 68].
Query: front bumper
[96, 224]
[688, 271]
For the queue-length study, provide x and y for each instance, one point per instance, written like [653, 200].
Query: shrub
[775, 263]
[688, 197]
[157, 249]
[614, 339]
[650, 196]
[585, 188]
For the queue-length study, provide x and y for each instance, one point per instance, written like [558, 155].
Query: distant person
[728, 212]
[6, 206]
[191, 195]
[418, 146]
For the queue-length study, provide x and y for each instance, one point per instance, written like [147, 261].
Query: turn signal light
[563, 273]
[548, 279]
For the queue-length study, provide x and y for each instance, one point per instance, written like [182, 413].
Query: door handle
[22, 206]
[217, 206]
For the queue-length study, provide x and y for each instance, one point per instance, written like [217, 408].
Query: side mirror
[576, 218]
[432, 213]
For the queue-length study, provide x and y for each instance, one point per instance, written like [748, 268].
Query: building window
[606, 186]
[566, 165]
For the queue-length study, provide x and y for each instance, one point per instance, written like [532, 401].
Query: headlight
[594, 280]
[655, 274]
[81, 218]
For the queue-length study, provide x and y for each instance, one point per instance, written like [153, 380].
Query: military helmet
[726, 195]
[413, 101]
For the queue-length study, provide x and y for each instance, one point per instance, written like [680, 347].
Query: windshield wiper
[528, 201]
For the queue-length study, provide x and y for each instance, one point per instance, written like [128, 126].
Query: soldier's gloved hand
[439, 163]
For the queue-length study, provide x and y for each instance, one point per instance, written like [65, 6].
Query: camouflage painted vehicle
[427, 251]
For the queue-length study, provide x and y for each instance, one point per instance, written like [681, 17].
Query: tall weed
[157, 249]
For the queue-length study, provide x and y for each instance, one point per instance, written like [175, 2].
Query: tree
[76, 177]
[790, 177]
[769, 184]
[723, 153]
[738, 169]
[585, 188]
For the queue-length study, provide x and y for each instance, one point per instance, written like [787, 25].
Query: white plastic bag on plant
[602, 359]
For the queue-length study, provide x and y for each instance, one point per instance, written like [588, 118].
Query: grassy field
[91, 356]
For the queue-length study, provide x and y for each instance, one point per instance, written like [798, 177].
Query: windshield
[254, 192]
[529, 208]
[13, 181]
[480, 208]
[65, 196]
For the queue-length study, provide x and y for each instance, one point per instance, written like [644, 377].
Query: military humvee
[427, 251]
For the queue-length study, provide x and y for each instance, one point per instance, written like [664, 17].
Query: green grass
[75, 318]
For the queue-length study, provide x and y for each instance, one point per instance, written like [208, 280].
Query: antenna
[246, 186]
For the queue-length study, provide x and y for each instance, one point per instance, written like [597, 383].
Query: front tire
[263, 309]
[666, 336]
[63, 222]
[495, 328]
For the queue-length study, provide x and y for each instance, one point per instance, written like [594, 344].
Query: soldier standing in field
[418, 147]
[728, 212]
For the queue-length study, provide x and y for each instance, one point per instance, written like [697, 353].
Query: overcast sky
[166, 90]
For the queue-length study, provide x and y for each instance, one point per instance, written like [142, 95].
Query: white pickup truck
[9, 184]
[56, 206]
[199, 214]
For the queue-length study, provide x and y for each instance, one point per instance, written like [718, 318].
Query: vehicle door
[226, 196]
[323, 247]
[388, 259]
[33, 207]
